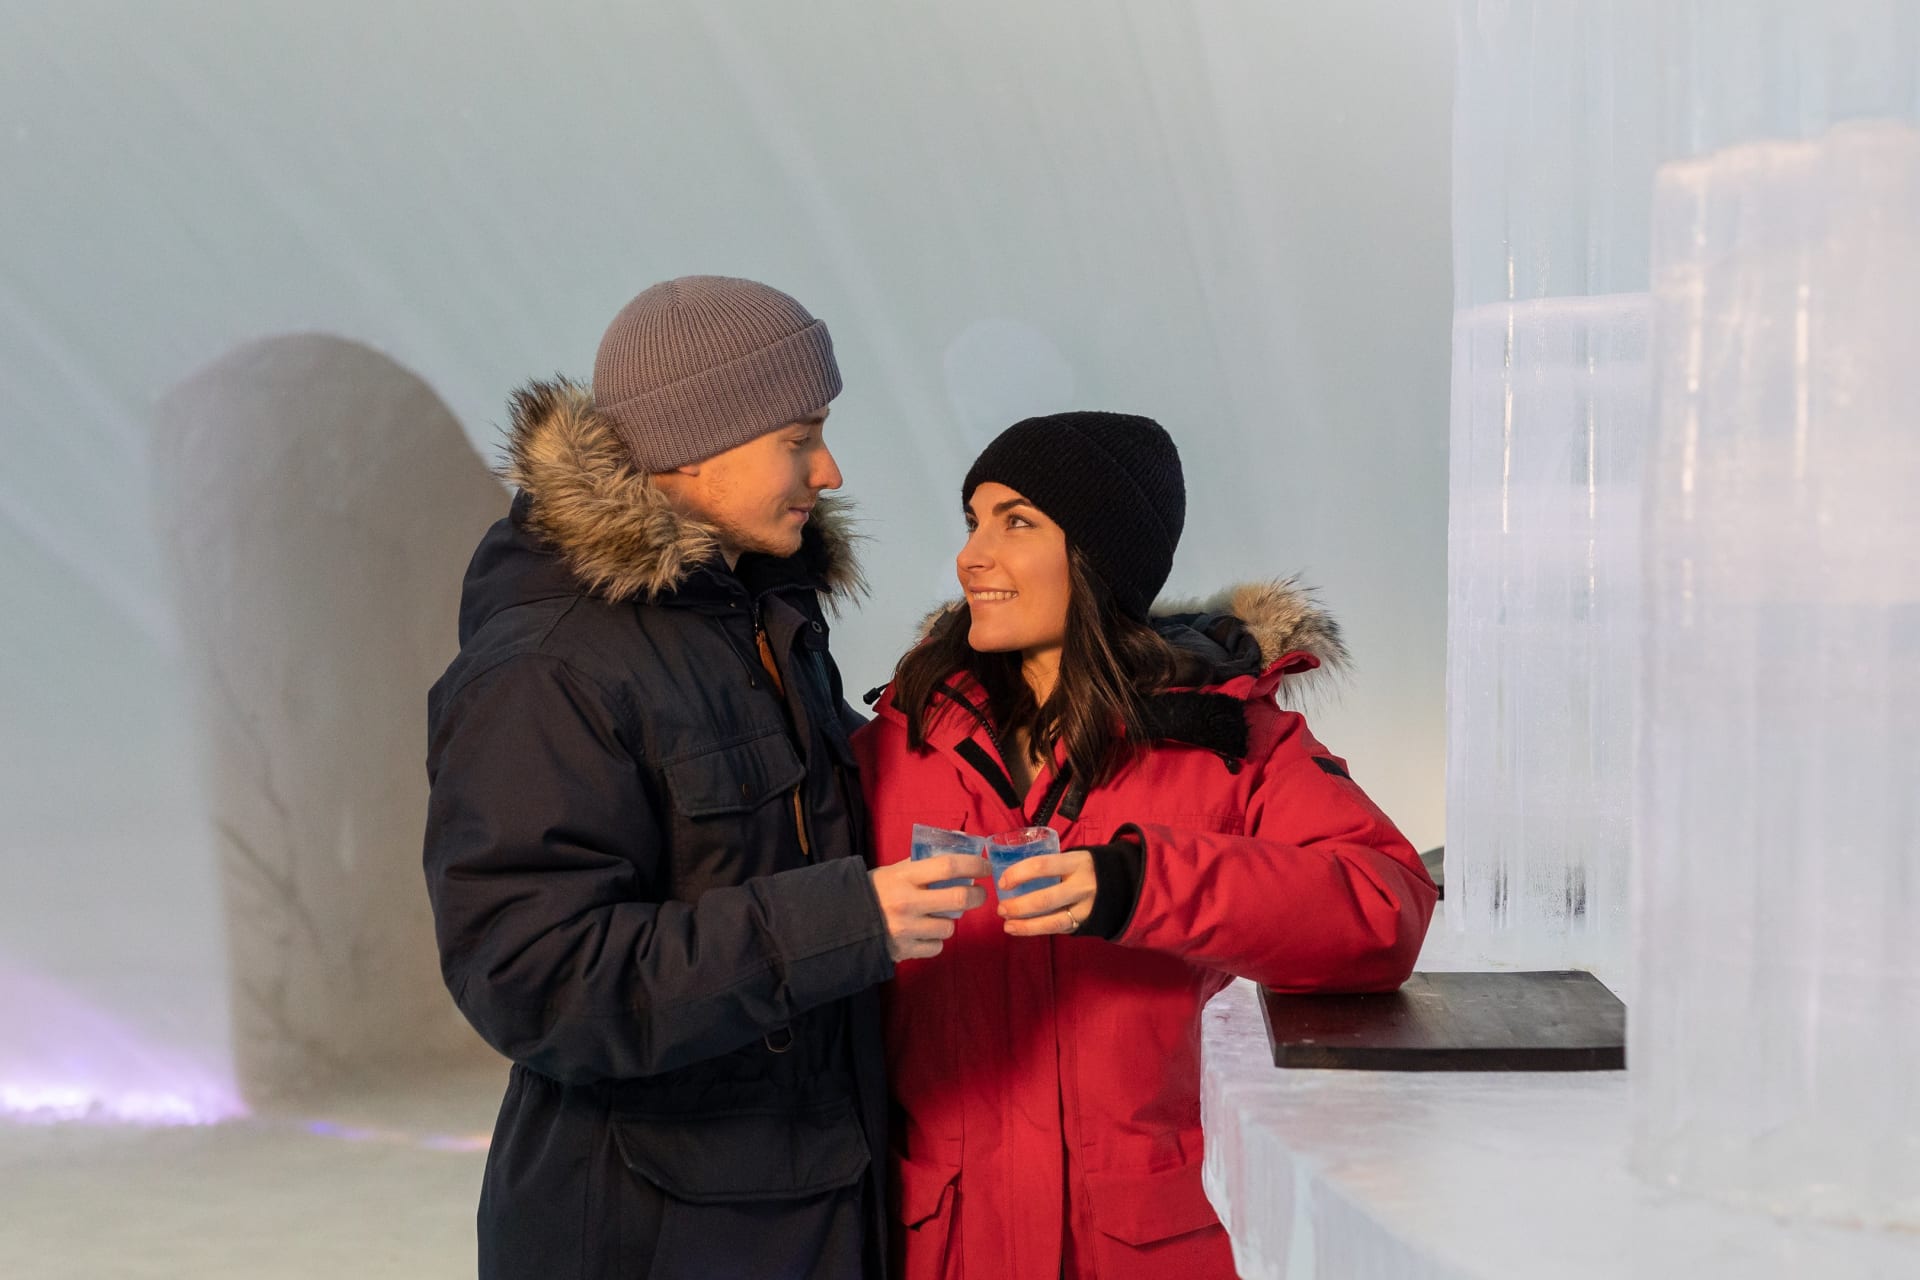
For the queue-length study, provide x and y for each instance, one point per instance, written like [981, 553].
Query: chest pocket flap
[734, 778]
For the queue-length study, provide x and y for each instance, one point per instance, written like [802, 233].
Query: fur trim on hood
[1282, 616]
[615, 530]
[1278, 618]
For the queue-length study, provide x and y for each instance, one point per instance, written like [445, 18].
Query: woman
[1046, 1065]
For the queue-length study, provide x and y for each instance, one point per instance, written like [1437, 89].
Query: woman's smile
[1010, 540]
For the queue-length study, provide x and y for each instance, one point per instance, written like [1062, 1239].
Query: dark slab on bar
[1550, 1021]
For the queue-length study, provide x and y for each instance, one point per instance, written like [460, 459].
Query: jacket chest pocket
[734, 814]
[735, 778]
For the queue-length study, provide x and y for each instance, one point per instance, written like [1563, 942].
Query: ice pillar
[1775, 1041]
[1553, 150]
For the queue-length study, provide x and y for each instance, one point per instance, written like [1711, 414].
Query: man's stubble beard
[743, 541]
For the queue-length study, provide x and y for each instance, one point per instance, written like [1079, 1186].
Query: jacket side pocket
[924, 1202]
[745, 1155]
[1157, 1224]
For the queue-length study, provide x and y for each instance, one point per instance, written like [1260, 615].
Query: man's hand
[914, 931]
[1058, 908]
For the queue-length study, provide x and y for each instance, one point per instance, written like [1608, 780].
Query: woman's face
[1014, 571]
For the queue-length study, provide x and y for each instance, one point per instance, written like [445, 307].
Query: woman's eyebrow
[1010, 504]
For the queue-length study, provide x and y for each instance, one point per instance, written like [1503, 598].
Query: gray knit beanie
[694, 366]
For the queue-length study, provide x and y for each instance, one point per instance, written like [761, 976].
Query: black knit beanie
[1112, 481]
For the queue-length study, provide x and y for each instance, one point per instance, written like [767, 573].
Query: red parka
[1047, 1090]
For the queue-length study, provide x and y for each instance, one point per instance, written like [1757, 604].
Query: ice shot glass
[1010, 847]
[930, 841]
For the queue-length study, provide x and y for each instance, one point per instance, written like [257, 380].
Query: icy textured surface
[1776, 1040]
[1554, 148]
[1555, 138]
[931, 841]
[1010, 847]
[1348, 1175]
[317, 505]
[1549, 417]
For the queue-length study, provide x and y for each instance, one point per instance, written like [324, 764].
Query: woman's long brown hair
[1109, 664]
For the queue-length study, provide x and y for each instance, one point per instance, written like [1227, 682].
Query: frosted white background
[1232, 216]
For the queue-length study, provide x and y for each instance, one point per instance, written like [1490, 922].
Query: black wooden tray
[1553, 1021]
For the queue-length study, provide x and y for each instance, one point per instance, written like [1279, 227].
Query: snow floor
[381, 1183]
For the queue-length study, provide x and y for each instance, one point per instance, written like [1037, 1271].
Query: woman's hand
[1060, 908]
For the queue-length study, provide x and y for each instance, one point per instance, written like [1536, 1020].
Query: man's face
[759, 495]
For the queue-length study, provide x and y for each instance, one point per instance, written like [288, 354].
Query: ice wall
[1776, 1040]
[1554, 146]
[1231, 215]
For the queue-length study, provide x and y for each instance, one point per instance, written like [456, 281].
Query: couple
[669, 864]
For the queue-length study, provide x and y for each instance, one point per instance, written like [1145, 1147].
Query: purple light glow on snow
[64, 1060]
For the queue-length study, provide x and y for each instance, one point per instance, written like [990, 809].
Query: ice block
[930, 841]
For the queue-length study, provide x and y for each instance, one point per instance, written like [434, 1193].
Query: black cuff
[1118, 868]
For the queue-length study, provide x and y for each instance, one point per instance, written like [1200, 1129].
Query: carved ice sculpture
[317, 505]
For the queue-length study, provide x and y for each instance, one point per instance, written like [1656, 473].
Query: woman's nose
[973, 554]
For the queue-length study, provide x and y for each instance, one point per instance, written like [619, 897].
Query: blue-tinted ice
[930, 841]
[1010, 847]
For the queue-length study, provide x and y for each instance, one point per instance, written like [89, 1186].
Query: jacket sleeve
[1322, 893]
[542, 847]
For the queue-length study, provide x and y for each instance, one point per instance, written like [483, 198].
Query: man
[643, 842]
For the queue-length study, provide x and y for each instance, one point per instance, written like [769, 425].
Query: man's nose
[826, 472]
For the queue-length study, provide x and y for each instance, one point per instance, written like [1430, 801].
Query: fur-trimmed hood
[1271, 630]
[616, 532]
[1254, 641]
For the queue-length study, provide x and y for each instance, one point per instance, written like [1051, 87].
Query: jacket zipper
[1056, 789]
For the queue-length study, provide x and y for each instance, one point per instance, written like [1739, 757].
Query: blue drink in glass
[1010, 847]
[931, 841]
